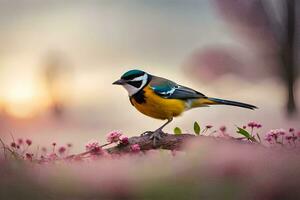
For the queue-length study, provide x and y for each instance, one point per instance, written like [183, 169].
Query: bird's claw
[154, 135]
[147, 133]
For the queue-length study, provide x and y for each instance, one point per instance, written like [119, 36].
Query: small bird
[163, 99]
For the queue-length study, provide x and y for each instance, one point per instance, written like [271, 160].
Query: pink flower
[29, 156]
[20, 141]
[135, 148]
[288, 138]
[281, 132]
[268, 138]
[294, 138]
[28, 142]
[93, 147]
[291, 130]
[291, 138]
[52, 156]
[274, 134]
[54, 145]
[13, 145]
[62, 150]
[113, 136]
[124, 140]
[258, 125]
[223, 129]
[254, 125]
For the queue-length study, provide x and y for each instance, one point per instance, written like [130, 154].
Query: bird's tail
[214, 101]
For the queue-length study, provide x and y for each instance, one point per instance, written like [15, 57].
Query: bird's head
[133, 81]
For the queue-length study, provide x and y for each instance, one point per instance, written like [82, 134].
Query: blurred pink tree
[271, 26]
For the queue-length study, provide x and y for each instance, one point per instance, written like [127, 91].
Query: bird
[164, 99]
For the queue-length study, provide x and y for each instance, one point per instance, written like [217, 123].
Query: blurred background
[58, 60]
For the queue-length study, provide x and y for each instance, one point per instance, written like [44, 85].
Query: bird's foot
[147, 133]
[155, 135]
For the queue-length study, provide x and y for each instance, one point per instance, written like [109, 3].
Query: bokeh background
[58, 60]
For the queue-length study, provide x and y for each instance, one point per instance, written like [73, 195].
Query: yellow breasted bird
[163, 99]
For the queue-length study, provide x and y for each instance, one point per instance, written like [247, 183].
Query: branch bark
[168, 142]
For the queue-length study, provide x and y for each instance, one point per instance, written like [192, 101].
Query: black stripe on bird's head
[133, 81]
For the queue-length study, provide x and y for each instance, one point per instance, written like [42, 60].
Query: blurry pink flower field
[210, 165]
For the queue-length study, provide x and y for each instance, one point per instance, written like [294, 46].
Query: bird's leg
[149, 133]
[158, 133]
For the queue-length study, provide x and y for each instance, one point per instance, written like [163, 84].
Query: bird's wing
[171, 90]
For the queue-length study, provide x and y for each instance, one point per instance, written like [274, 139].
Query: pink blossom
[20, 141]
[291, 130]
[223, 129]
[124, 140]
[54, 145]
[274, 134]
[62, 150]
[291, 138]
[258, 125]
[28, 142]
[52, 156]
[268, 138]
[288, 137]
[281, 132]
[254, 125]
[294, 138]
[13, 145]
[113, 136]
[29, 156]
[135, 148]
[93, 147]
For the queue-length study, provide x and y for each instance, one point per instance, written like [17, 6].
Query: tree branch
[168, 142]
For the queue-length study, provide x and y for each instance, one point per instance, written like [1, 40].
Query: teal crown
[131, 74]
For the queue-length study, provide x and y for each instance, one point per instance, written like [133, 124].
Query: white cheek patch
[131, 89]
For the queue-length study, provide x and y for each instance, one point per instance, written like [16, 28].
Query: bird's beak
[119, 82]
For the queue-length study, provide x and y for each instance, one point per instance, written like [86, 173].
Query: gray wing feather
[171, 90]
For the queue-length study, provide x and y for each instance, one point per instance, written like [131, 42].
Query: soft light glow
[25, 99]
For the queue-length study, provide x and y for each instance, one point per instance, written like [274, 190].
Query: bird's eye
[136, 84]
